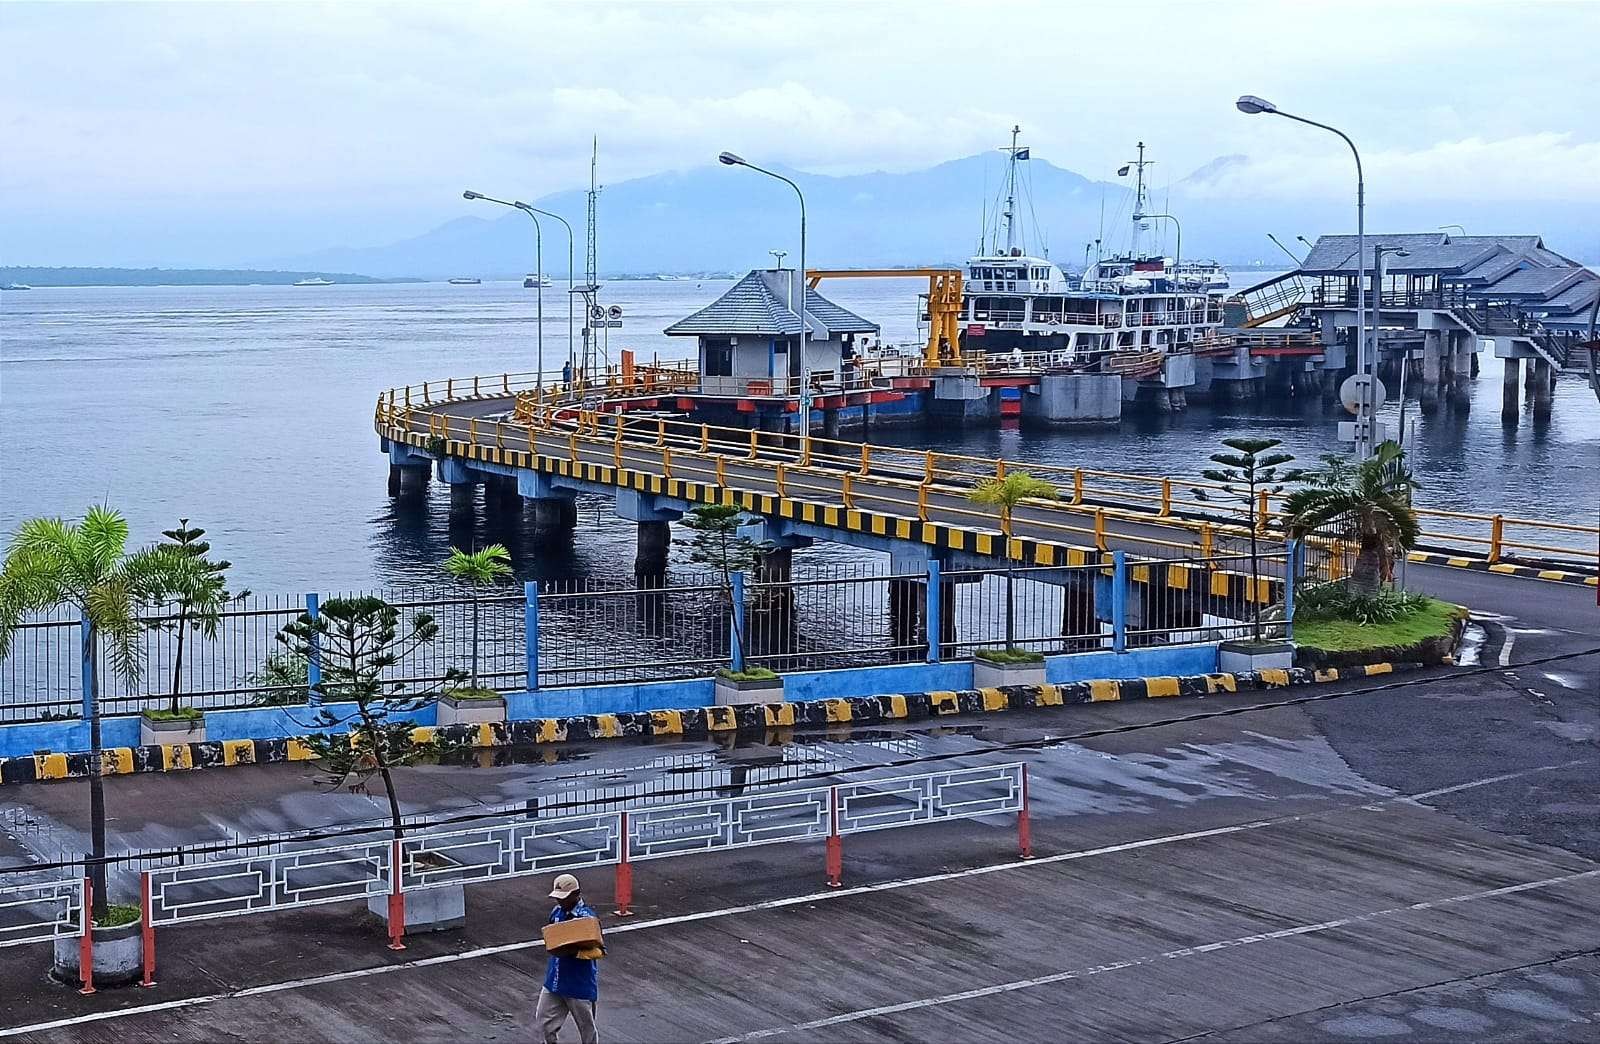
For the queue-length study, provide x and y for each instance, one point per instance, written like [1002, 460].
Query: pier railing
[560, 633]
[1172, 516]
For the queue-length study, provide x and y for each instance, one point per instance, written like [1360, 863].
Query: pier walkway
[629, 438]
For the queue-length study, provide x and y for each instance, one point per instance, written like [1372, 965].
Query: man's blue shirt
[573, 976]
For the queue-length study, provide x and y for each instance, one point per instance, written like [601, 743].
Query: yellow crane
[944, 304]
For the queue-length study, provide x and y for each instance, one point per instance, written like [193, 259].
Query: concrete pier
[554, 518]
[1078, 615]
[1510, 405]
[907, 628]
[1074, 399]
[1461, 371]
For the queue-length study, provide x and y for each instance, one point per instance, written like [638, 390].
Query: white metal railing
[271, 881]
[884, 804]
[510, 849]
[40, 911]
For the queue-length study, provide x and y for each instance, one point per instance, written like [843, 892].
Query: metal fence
[586, 632]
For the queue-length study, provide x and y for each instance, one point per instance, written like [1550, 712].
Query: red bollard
[397, 902]
[624, 871]
[149, 930]
[835, 842]
[86, 940]
[1024, 828]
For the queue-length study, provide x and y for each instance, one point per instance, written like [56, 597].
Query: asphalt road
[1407, 861]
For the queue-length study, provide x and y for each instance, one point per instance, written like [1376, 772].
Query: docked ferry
[1133, 306]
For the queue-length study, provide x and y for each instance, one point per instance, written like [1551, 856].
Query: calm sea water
[249, 411]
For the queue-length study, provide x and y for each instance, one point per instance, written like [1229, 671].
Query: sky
[234, 133]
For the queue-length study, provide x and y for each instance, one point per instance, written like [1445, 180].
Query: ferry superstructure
[1137, 304]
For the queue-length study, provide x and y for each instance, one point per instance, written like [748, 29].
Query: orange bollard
[397, 902]
[835, 864]
[149, 930]
[86, 940]
[624, 882]
[1024, 827]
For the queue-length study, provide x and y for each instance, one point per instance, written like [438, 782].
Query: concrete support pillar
[1330, 385]
[1543, 388]
[1510, 406]
[396, 473]
[655, 539]
[775, 566]
[461, 496]
[1461, 371]
[907, 628]
[1432, 361]
[411, 482]
[554, 517]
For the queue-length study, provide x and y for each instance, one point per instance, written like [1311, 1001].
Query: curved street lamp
[538, 247]
[732, 160]
[1251, 105]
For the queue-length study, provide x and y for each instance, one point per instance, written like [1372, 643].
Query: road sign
[1347, 431]
[1350, 392]
[597, 312]
[611, 324]
[615, 311]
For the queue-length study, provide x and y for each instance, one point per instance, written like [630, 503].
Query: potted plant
[87, 565]
[753, 685]
[1248, 473]
[466, 705]
[367, 728]
[996, 668]
[118, 949]
[199, 603]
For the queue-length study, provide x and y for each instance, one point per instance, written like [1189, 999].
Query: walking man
[572, 983]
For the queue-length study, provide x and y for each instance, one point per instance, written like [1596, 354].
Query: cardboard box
[579, 931]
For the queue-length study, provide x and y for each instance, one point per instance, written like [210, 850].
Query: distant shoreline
[124, 277]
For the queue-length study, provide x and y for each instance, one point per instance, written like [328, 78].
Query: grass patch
[1008, 657]
[117, 915]
[753, 674]
[181, 714]
[1432, 619]
[469, 693]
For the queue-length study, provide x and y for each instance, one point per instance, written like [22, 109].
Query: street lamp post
[572, 365]
[732, 160]
[1251, 106]
[538, 248]
[1379, 252]
[1177, 258]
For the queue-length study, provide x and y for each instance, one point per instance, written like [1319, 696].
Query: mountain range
[717, 219]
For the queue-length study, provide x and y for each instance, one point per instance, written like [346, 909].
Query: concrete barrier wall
[279, 723]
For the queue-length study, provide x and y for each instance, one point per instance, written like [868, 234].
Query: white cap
[565, 885]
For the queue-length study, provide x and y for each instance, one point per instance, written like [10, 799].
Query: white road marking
[1134, 962]
[1505, 650]
[770, 904]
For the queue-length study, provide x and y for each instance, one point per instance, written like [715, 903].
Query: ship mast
[591, 294]
[1013, 153]
[1140, 203]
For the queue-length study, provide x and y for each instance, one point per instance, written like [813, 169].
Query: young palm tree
[714, 541]
[1005, 494]
[52, 562]
[480, 569]
[1366, 503]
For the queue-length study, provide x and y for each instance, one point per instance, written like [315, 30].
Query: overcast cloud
[210, 133]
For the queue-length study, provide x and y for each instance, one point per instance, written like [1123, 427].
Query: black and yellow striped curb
[696, 722]
[1483, 565]
[1183, 576]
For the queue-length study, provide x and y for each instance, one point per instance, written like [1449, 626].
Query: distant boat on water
[533, 282]
[314, 281]
[16, 286]
[464, 281]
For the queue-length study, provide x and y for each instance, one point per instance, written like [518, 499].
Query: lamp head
[521, 205]
[469, 194]
[1251, 105]
[730, 159]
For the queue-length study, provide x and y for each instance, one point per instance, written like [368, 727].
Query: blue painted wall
[874, 681]
[275, 722]
[1135, 663]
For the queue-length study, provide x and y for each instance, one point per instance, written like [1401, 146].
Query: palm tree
[1005, 493]
[1366, 503]
[53, 562]
[480, 569]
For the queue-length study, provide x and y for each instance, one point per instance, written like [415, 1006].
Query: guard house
[749, 338]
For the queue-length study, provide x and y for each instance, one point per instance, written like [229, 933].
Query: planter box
[165, 732]
[453, 711]
[989, 675]
[1242, 657]
[734, 692]
[436, 909]
[118, 956]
